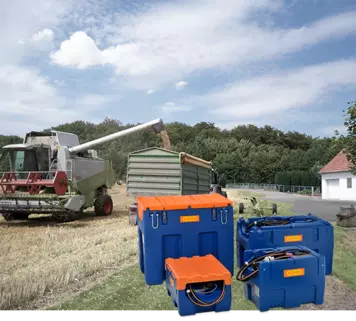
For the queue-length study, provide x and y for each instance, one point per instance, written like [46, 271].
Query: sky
[289, 64]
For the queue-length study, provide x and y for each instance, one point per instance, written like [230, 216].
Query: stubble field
[39, 256]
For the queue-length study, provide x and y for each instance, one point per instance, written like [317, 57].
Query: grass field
[92, 264]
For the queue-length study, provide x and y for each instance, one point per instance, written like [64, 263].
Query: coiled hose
[195, 300]
[275, 255]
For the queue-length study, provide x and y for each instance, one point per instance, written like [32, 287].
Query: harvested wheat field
[40, 256]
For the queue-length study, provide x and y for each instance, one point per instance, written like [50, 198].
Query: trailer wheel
[274, 208]
[15, 216]
[241, 208]
[103, 205]
[132, 219]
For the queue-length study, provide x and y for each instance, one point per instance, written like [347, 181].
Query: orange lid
[197, 269]
[160, 203]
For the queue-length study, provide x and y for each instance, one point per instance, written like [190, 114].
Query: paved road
[305, 204]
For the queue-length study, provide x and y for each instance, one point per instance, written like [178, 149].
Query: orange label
[295, 272]
[293, 238]
[189, 219]
[171, 281]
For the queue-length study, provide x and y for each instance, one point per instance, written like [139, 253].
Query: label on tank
[294, 272]
[293, 238]
[190, 219]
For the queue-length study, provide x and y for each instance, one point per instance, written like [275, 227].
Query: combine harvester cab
[51, 173]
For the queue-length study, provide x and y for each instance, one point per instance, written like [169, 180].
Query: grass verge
[128, 291]
[245, 193]
[345, 255]
[238, 196]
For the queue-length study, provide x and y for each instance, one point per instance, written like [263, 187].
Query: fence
[304, 190]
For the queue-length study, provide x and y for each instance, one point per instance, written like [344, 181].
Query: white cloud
[41, 40]
[34, 89]
[28, 97]
[20, 20]
[181, 84]
[79, 51]
[43, 35]
[275, 93]
[170, 107]
[28, 101]
[171, 40]
[150, 91]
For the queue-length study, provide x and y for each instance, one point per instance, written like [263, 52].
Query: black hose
[267, 223]
[276, 255]
[275, 222]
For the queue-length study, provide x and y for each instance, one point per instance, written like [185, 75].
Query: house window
[349, 183]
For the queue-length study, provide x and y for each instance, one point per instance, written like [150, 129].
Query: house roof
[339, 163]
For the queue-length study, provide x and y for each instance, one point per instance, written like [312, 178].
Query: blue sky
[289, 64]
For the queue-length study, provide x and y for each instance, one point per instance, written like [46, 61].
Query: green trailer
[156, 171]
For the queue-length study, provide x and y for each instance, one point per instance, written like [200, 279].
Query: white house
[337, 181]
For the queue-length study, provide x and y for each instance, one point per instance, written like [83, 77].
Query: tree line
[348, 141]
[246, 153]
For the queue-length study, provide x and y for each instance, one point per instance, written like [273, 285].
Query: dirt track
[337, 297]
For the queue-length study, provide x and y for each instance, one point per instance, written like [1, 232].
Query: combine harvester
[51, 173]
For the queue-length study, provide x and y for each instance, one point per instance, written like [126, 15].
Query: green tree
[350, 141]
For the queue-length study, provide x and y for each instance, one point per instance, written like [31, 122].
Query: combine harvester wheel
[103, 205]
